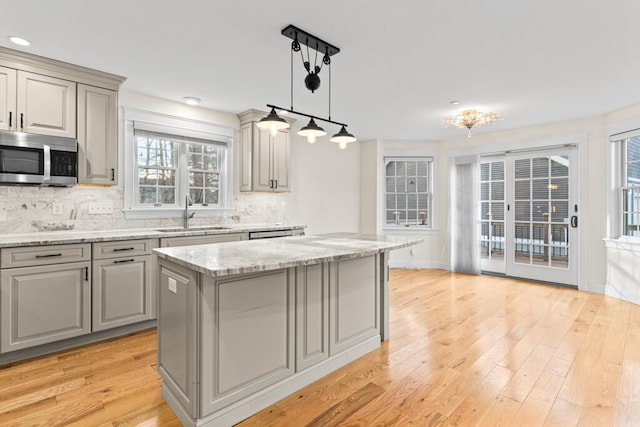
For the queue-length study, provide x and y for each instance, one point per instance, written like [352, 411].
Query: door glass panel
[492, 212]
[497, 190]
[560, 211]
[523, 211]
[540, 167]
[484, 171]
[497, 240]
[523, 169]
[523, 190]
[540, 255]
[559, 189]
[540, 211]
[540, 189]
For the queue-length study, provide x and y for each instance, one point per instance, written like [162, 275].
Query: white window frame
[171, 125]
[431, 226]
[617, 177]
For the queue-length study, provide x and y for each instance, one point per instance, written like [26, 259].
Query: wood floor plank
[464, 350]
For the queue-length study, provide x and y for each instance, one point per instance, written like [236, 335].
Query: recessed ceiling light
[454, 102]
[191, 100]
[19, 41]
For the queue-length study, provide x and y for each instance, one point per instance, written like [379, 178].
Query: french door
[529, 215]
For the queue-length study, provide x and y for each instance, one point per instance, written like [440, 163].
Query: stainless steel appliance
[29, 159]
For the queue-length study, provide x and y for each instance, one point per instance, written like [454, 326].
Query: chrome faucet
[187, 215]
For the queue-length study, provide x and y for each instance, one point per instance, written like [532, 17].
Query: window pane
[412, 201]
[210, 161]
[541, 211]
[391, 184]
[540, 189]
[212, 179]
[166, 195]
[147, 195]
[560, 211]
[497, 171]
[391, 169]
[423, 202]
[484, 191]
[168, 177]
[194, 161]
[391, 201]
[560, 165]
[497, 190]
[412, 187]
[523, 168]
[497, 211]
[211, 197]
[196, 179]
[633, 173]
[523, 211]
[411, 168]
[147, 176]
[633, 149]
[422, 184]
[484, 171]
[522, 190]
[540, 167]
[559, 188]
[197, 196]
[407, 192]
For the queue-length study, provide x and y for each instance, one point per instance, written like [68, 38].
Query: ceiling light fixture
[471, 118]
[191, 100]
[312, 82]
[19, 41]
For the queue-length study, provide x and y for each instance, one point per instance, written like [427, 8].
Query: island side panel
[312, 315]
[384, 295]
[354, 308]
[248, 335]
[177, 332]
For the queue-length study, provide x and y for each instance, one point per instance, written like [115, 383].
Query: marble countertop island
[223, 259]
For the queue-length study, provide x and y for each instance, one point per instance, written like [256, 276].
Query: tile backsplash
[32, 209]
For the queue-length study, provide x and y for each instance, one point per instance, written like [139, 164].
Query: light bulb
[274, 129]
[342, 145]
[311, 138]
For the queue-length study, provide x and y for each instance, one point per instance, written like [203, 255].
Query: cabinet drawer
[202, 240]
[44, 255]
[123, 248]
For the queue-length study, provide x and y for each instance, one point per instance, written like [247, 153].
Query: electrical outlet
[100, 208]
[57, 208]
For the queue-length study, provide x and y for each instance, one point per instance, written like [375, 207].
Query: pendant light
[311, 131]
[343, 138]
[273, 122]
[313, 65]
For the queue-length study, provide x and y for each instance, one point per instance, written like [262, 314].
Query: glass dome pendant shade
[311, 131]
[343, 138]
[273, 123]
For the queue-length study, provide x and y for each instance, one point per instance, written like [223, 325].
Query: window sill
[155, 213]
[412, 229]
[624, 242]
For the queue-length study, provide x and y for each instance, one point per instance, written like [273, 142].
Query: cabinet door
[121, 291]
[262, 179]
[46, 105]
[97, 135]
[245, 156]
[354, 308]
[280, 152]
[7, 98]
[312, 315]
[44, 304]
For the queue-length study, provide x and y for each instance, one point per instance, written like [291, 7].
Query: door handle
[21, 121]
[276, 184]
[120, 261]
[48, 255]
[574, 221]
[122, 249]
[10, 118]
[113, 174]
[86, 274]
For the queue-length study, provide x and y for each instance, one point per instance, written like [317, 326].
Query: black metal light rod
[307, 115]
[310, 40]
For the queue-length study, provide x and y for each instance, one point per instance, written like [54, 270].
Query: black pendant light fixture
[312, 81]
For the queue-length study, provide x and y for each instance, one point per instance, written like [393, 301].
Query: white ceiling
[401, 62]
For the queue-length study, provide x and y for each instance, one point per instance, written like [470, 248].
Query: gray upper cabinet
[44, 96]
[97, 135]
[8, 98]
[46, 105]
[264, 159]
[35, 103]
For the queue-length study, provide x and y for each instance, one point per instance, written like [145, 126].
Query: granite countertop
[91, 236]
[223, 259]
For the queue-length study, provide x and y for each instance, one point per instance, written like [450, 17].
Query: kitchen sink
[194, 228]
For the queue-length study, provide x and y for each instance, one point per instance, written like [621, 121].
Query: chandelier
[311, 131]
[471, 118]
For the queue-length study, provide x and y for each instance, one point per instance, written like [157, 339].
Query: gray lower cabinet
[44, 304]
[121, 292]
[122, 283]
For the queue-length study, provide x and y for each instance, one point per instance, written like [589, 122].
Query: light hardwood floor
[464, 350]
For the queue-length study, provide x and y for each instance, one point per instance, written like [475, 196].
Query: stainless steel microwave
[30, 159]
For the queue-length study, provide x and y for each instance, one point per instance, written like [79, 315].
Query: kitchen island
[243, 324]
